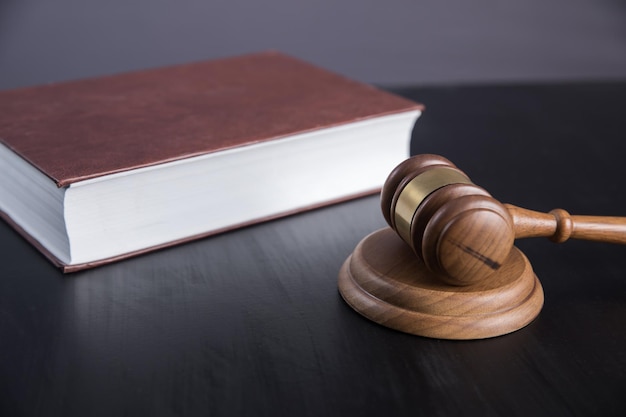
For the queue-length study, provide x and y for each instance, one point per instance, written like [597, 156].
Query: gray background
[390, 43]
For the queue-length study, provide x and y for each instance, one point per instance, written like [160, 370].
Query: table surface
[250, 323]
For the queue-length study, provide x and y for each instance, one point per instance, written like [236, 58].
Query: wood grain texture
[250, 323]
[559, 226]
[460, 232]
[385, 282]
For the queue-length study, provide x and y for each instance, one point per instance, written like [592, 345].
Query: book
[96, 170]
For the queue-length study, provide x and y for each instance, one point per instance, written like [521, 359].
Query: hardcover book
[97, 170]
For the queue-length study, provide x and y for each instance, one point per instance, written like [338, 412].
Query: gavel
[463, 234]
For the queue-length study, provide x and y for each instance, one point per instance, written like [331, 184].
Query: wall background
[389, 43]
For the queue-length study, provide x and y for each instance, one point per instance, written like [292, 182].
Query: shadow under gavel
[448, 267]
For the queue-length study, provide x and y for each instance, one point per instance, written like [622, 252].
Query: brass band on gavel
[414, 193]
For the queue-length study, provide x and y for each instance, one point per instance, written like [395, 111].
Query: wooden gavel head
[462, 236]
[458, 229]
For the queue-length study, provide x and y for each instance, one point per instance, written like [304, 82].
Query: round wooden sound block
[384, 281]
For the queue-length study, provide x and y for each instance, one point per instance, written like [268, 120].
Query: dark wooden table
[250, 323]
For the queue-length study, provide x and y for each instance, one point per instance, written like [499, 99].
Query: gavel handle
[559, 225]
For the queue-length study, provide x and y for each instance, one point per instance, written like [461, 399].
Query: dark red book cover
[83, 129]
[78, 130]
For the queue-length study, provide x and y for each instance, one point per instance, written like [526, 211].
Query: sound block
[384, 281]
